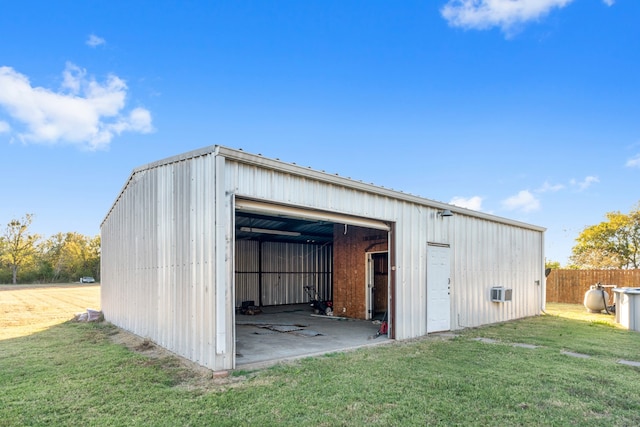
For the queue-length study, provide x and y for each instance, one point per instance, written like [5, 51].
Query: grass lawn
[73, 374]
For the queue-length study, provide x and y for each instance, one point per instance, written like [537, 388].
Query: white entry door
[438, 289]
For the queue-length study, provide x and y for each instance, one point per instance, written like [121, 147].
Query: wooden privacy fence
[569, 286]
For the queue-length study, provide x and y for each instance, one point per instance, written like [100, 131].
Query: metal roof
[309, 173]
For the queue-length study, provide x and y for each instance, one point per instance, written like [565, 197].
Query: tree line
[26, 257]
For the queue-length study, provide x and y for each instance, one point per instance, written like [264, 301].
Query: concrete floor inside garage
[289, 332]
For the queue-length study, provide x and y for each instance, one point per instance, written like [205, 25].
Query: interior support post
[260, 274]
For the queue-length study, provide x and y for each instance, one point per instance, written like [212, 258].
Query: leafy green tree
[18, 245]
[68, 256]
[614, 243]
[52, 258]
[4, 272]
[94, 253]
[554, 265]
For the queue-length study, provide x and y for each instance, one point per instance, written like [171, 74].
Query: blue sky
[526, 109]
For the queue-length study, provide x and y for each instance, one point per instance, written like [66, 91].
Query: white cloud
[83, 112]
[585, 183]
[95, 41]
[474, 203]
[633, 162]
[4, 127]
[506, 14]
[524, 201]
[547, 187]
[608, 2]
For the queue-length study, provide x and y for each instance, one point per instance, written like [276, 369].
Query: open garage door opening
[290, 264]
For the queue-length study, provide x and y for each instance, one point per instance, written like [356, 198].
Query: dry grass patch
[25, 309]
[579, 312]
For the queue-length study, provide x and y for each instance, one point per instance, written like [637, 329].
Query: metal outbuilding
[192, 237]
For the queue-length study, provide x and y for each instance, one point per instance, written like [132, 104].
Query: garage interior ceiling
[319, 232]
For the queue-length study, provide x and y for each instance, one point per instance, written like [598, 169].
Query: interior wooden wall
[350, 245]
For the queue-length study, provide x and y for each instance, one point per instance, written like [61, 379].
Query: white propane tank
[595, 299]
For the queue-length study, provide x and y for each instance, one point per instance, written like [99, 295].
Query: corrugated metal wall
[284, 270]
[489, 254]
[247, 271]
[158, 261]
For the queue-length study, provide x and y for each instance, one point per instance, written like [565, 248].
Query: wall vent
[500, 294]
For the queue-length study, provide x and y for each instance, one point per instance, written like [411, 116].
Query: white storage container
[627, 302]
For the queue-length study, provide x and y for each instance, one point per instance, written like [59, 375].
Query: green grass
[72, 374]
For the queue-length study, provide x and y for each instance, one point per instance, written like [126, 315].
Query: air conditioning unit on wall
[501, 294]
